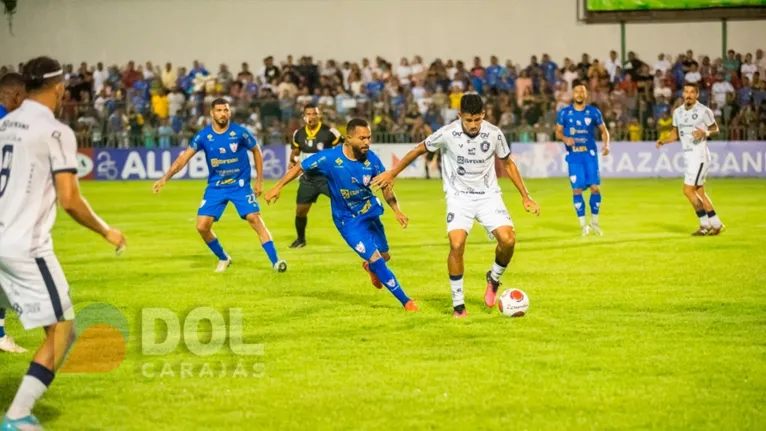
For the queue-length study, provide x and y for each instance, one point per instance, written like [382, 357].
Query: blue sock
[389, 280]
[217, 250]
[595, 203]
[271, 252]
[2, 322]
[579, 204]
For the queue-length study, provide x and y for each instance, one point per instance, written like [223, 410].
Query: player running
[225, 145]
[311, 139]
[576, 126]
[12, 93]
[38, 156]
[469, 147]
[349, 170]
[694, 122]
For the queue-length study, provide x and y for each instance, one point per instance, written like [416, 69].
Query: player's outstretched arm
[393, 202]
[258, 159]
[386, 179]
[72, 201]
[273, 194]
[175, 168]
[513, 171]
[672, 137]
[560, 136]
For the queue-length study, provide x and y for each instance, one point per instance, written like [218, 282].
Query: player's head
[691, 94]
[359, 136]
[579, 92]
[12, 91]
[219, 111]
[44, 81]
[311, 115]
[471, 113]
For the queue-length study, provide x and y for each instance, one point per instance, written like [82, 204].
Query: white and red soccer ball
[513, 303]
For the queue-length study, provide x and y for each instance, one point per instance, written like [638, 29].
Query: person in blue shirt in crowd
[12, 93]
[356, 211]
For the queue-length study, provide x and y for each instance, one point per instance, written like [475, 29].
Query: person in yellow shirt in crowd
[160, 104]
[169, 76]
[634, 130]
[665, 126]
[456, 93]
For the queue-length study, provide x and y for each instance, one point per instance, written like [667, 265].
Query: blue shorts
[584, 174]
[215, 199]
[365, 237]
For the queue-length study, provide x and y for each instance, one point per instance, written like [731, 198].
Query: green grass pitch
[644, 328]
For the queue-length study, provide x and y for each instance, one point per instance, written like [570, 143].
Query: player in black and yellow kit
[312, 138]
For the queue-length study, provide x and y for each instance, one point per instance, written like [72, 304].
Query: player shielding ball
[226, 145]
[311, 139]
[693, 123]
[576, 126]
[349, 169]
[38, 156]
[12, 93]
[469, 147]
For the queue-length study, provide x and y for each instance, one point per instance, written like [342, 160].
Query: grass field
[623, 5]
[644, 328]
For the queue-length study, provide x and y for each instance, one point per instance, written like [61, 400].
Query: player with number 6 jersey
[226, 146]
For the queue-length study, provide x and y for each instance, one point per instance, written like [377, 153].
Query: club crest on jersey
[360, 247]
[484, 146]
[209, 137]
[233, 148]
[587, 121]
[694, 116]
[472, 151]
[450, 217]
[366, 179]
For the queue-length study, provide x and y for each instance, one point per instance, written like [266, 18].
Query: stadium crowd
[164, 105]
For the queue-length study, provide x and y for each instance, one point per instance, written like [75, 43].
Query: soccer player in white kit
[469, 147]
[693, 123]
[38, 166]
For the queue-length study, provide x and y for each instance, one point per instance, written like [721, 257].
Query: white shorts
[490, 212]
[36, 289]
[696, 172]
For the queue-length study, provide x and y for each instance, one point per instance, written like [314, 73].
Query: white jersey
[468, 163]
[687, 121]
[33, 147]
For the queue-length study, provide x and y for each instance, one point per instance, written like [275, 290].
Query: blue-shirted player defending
[576, 126]
[12, 93]
[349, 169]
[225, 145]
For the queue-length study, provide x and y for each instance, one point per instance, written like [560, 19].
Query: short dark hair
[309, 106]
[577, 83]
[11, 80]
[41, 73]
[471, 104]
[693, 85]
[218, 101]
[354, 123]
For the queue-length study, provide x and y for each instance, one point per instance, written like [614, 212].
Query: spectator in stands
[148, 70]
[583, 66]
[721, 89]
[662, 64]
[730, 64]
[665, 125]
[100, 77]
[198, 69]
[404, 71]
[130, 76]
[634, 130]
[745, 92]
[169, 76]
[611, 65]
[549, 68]
[693, 76]
[689, 61]
[748, 68]
[478, 70]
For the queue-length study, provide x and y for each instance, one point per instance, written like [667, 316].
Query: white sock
[594, 218]
[29, 392]
[704, 222]
[582, 221]
[497, 271]
[458, 296]
[714, 221]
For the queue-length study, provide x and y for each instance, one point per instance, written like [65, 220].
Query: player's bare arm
[604, 139]
[393, 202]
[273, 195]
[72, 201]
[711, 131]
[294, 156]
[672, 137]
[567, 140]
[175, 168]
[513, 172]
[258, 159]
[386, 179]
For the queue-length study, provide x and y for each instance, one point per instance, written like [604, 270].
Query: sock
[595, 206]
[579, 204]
[33, 386]
[271, 252]
[2, 322]
[380, 269]
[704, 222]
[456, 283]
[300, 226]
[714, 220]
[497, 271]
[217, 250]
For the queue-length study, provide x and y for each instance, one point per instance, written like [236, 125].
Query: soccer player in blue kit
[225, 145]
[349, 169]
[576, 126]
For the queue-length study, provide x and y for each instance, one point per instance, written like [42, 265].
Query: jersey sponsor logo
[455, 134]
[450, 217]
[219, 162]
[472, 151]
[462, 160]
[485, 146]
[360, 247]
[484, 135]
[460, 170]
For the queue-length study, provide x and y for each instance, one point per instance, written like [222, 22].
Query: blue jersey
[349, 183]
[581, 126]
[3, 111]
[226, 153]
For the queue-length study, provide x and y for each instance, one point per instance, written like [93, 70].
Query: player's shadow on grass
[8, 387]
[675, 228]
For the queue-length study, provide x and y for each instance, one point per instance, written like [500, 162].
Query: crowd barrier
[537, 160]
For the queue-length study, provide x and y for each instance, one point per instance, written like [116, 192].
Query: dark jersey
[313, 141]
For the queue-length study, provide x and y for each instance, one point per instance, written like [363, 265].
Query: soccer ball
[513, 303]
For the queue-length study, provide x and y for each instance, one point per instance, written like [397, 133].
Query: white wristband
[707, 133]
